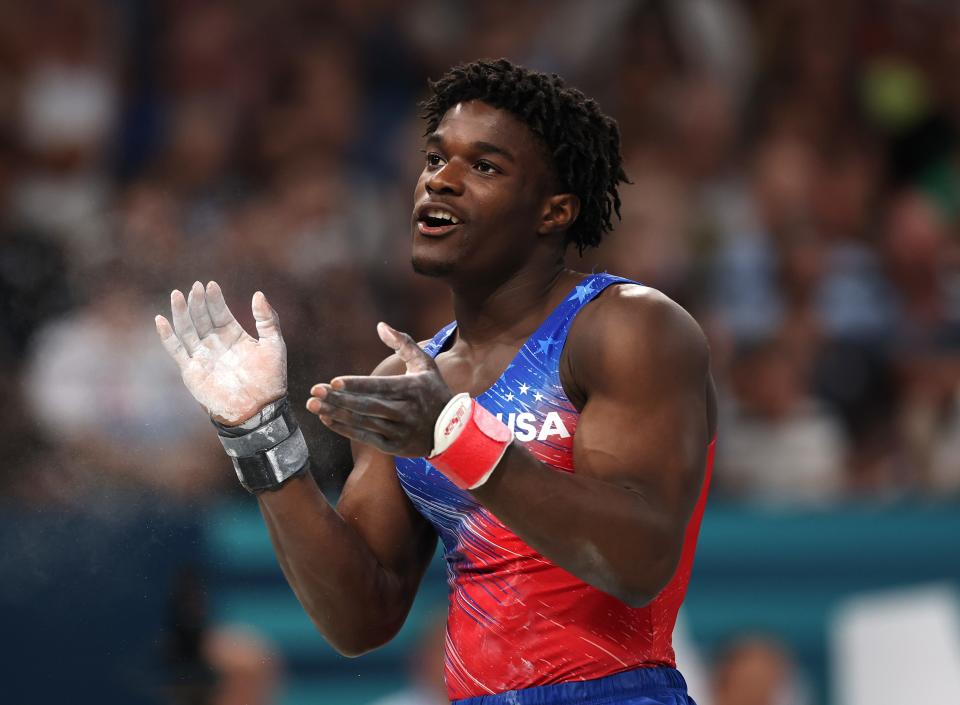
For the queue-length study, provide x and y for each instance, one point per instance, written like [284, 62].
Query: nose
[447, 179]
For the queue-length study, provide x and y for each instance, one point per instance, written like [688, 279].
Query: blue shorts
[643, 686]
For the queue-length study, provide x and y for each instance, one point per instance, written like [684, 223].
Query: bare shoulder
[633, 309]
[632, 330]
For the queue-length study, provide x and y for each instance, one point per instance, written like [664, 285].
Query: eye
[434, 159]
[485, 167]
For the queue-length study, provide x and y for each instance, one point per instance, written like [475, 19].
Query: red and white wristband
[468, 442]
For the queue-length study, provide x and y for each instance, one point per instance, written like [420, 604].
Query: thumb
[267, 320]
[405, 347]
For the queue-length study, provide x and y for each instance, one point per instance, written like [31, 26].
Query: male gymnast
[557, 436]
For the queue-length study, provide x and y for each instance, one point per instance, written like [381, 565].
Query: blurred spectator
[68, 108]
[306, 123]
[917, 241]
[756, 670]
[651, 246]
[778, 443]
[928, 340]
[98, 387]
[194, 169]
[744, 291]
[151, 238]
[247, 669]
[854, 299]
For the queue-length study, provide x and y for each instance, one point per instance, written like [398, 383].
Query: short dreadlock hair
[582, 142]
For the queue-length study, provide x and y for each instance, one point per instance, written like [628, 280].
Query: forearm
[355, 603]
[356, 600]
[604, 534]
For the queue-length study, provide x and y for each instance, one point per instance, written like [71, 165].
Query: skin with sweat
[635, 365]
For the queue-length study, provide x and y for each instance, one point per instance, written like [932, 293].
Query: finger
[171, 342]
[357, 434]
[268, 322]
[182, 322]
[197, 305]
[385, 427]
[406, 348]
[217, 308]
[384, 386]
[359, 403]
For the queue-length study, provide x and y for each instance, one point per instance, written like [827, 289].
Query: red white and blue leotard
[516, 620]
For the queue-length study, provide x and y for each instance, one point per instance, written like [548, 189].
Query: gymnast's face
[480, 200]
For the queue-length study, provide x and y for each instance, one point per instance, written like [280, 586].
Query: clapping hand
[393, 413]
[232, 374]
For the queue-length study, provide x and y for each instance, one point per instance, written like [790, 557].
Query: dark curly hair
[582, 142]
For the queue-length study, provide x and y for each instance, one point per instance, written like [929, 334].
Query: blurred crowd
[796, 185]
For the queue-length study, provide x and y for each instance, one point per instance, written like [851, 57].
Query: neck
[505, 310]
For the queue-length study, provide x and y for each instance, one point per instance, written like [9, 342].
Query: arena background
[796, 185]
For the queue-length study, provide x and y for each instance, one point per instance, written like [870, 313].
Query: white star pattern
[582, 293]
[537, 396]
[509, 396]
[524, 388]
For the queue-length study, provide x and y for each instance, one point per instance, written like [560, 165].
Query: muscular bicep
[375, 505]
[646, 421]
[657, 451]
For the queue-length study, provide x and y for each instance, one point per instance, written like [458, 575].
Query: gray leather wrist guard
[269, 453]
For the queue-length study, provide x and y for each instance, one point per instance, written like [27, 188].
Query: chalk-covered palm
[230, 373]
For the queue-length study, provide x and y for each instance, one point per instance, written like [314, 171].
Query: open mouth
[436, 221]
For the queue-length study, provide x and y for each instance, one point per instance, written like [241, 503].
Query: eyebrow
[480, 146]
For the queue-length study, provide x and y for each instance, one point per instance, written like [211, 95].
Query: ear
[559, 212]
